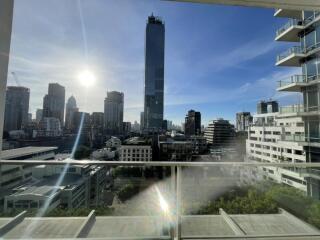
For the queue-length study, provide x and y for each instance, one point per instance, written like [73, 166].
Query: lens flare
[163, 203]
[86, 78]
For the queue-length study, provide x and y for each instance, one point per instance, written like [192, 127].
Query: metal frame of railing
[176, 171]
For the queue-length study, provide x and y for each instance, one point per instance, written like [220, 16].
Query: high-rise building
[126, 127]
[305, 30]
[154, 74]
[192, 123]
[71, 108]
[141, 121]
[243, 121]
[39, 115]
[16, 108]
[97, 119]
[267, 107]
[219, 132]
[53, 102]
[113, 112]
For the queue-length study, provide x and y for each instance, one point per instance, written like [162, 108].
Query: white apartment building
[266, 144]
[136, 153]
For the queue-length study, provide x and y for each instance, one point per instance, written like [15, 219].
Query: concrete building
[71, 108]
[266, 144]
[113, 112]
[97, 119]
[154, 74]
[199, 144]
[175, 148]
[82, 186]
[243, 121]
[136, 149]
[49, 127]
[53, 102]
[219, 133]
[192, 123]
[304, 29]
[16, 108]
[13, 175]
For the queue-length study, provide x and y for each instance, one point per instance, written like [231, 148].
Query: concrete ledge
[234, 226]
[306, 226]
[86, 226]
[12, 223]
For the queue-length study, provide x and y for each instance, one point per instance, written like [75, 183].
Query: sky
[219, 60]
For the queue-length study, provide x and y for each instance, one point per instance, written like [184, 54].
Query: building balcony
[292, 83]
[291, 57]
[288, 13]
[290, 31]
[296, 82]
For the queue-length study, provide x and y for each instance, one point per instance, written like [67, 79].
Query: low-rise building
[220, 132]
[267, 143]
[136, 149]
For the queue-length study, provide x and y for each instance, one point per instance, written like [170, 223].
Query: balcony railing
[289, 24]
[290, 51]
[291, 109]
[181, 200]
[293, 79]
[311, 18]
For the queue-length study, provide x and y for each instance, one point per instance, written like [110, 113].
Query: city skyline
[57, 51]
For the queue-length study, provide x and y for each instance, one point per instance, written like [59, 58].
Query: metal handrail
[153, 164]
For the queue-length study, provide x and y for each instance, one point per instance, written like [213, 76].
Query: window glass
[310, 39]
[311, 67]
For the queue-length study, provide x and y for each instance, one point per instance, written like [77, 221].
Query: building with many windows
[16, 108]
[113, 112]
[219, 132]
[304, 30]
[243, 120]
[192, 124]
[267, 144]
[54, 101]
[154, 74]
[136, 149]
[71, 108]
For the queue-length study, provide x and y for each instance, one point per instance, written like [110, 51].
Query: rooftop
[25, 151]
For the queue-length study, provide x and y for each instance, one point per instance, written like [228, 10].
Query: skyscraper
[53, 102]
[16, 108]
[154, 74]
[113, 112]
[193, 123]
[71, 108]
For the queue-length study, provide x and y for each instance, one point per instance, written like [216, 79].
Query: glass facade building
[154, 74]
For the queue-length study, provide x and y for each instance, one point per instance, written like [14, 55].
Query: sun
[86, 78]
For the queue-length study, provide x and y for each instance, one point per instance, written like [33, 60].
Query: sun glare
[86, 78]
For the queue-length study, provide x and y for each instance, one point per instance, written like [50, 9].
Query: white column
[6, 14]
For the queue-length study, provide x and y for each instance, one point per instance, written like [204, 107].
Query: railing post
[178, 205]
[173, 200]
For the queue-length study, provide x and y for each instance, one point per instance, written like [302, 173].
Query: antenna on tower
[16, 79]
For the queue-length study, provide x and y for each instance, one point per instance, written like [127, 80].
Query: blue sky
[218, 59]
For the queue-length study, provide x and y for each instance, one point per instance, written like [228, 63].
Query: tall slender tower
[154, 74]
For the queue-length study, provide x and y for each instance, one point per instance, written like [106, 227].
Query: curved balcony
[290, 31]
